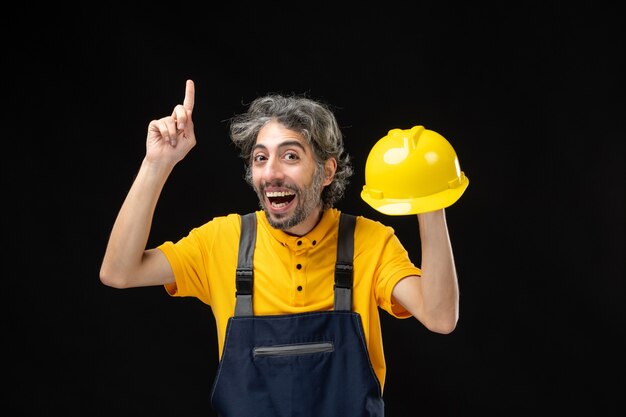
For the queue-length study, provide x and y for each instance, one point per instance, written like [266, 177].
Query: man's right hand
[172, 137]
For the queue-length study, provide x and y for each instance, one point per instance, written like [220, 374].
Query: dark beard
[308, 200]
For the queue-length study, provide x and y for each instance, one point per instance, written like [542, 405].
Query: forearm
[129, 235]
[439, 285]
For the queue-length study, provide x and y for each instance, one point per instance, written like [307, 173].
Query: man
[298, 325]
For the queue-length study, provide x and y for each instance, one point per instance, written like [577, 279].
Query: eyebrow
[285, 144]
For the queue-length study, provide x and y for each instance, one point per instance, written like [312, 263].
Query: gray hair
[312, 119]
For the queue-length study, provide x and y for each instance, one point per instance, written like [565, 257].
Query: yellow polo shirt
[292, 274]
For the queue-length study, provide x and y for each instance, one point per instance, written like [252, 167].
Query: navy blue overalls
[312, 364]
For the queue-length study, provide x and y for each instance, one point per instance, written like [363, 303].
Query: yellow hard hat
[412, 171]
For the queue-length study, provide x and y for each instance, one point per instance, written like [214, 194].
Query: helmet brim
[404, 207]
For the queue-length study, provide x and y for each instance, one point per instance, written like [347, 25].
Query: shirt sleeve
[388, 261]
[187, 262]
[204, 262]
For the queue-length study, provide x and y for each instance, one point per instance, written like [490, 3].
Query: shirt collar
[324, 228]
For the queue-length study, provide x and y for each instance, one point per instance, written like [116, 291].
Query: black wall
[530, 95]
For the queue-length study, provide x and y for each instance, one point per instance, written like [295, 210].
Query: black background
[530, 95]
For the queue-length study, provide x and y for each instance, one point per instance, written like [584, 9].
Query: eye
[258, 158]
[291, 156]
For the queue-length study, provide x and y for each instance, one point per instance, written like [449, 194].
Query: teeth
[279, 193]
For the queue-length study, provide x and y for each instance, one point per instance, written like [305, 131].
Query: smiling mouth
[279, 199]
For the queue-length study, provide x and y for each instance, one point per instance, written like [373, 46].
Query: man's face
[287, 180]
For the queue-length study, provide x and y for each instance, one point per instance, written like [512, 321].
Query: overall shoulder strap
[245, 269]
[343, 266]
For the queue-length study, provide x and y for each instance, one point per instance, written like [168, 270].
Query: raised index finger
[190, 92]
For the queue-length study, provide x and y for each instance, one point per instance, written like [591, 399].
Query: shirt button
[314, 242]
[299, 243]
[299, 288]
[299, 266]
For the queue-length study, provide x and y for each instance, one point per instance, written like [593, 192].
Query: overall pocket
[292, 349]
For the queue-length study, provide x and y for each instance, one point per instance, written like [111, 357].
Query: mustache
[278, 184]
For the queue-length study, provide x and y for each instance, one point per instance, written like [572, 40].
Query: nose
[272, 170]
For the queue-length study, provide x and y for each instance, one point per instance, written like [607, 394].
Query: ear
[330, 167]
